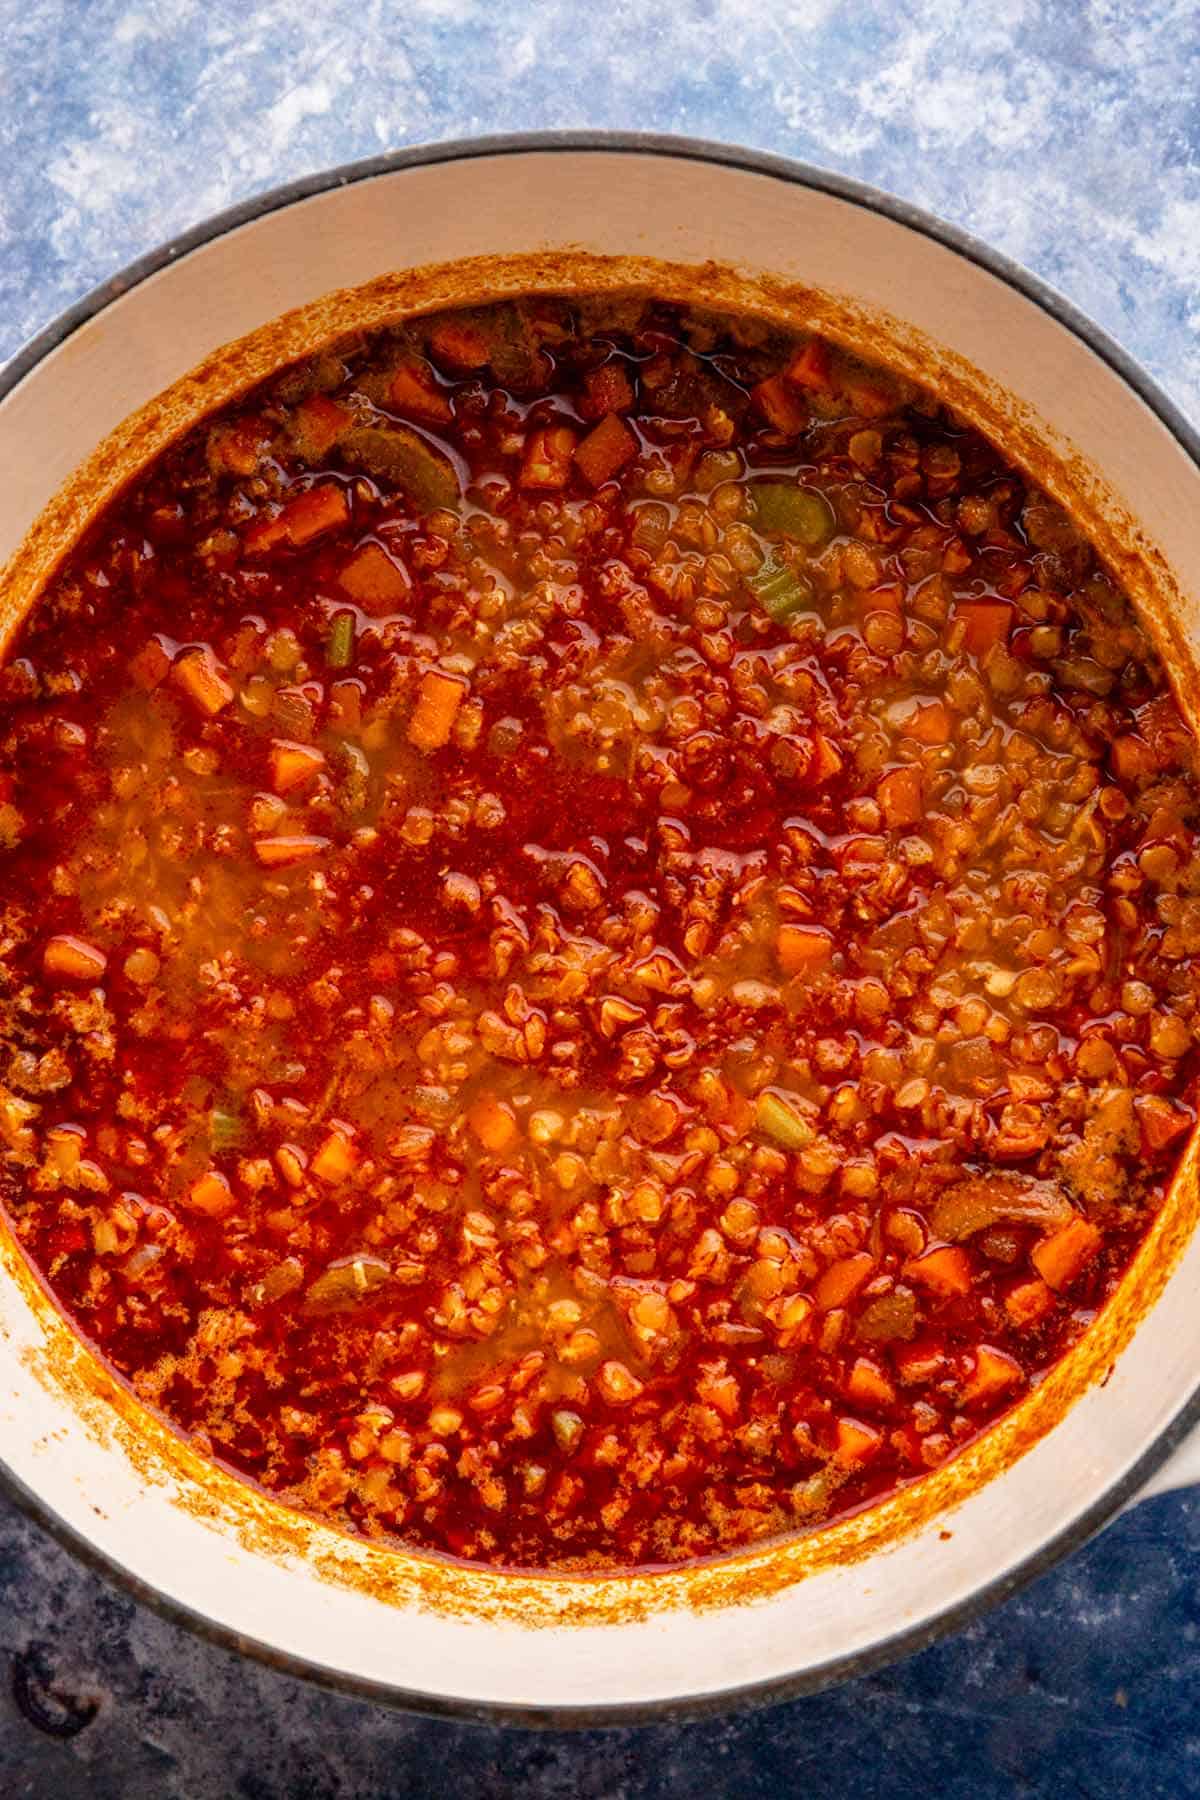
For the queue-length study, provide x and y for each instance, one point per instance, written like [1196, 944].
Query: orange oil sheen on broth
[600, 934]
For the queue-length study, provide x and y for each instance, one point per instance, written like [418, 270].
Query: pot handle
[1181, 1469]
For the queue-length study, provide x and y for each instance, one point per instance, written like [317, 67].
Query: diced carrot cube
[1162, 1120]
[1063, 1255]
[264, 534]
[779, 406]
[415, 391]
[293, 764]
[459, 343]
[438, 700]
[856, 1443]
[492, 1122]
[374, 580]
[1132, 760]
[211, 1195]
[994, 1373]
[337, 1158]
[868, 1384]
[605, 450]
[317, 424]
[811, 366]
[921, 1361]
[900, 795]
[1028, 1302]
[547, 460]
[842, 1280]
[150, 666]
[929, 722]
[945, 1272]
[278, 852]
[198, 674]
[68, 958]
[985, 623]
[319, 509]
[607, 390]
[803, 948]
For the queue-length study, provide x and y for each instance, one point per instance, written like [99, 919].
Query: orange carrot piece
[211, 1195]
[605, 450]
[374, 580]
[317, 424]
[337, 1158]
[945, 1272]
[779, 406]
[842, 1280]
[277, 852]
[929, 722]
[415, 391]
[200, 677]
[547, 460]
[68, 958]
[921, 1361]
[1028, 1302]
[868, 1384]
[810, 367]
[319, 509]
[607, 390]
[985, 622]
[293, 764]
[150, 666]
[1161, 1119]
[994, 1373]
[855, 1442]
[1063, 1255]
[459, 343]
[438, 700]
[803, 948]
[345, 705]
[492, 1122]
[900, 795]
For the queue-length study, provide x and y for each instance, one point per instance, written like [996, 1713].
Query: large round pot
[114, 380]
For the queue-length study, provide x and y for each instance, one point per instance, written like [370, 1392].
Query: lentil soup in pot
[601, 936]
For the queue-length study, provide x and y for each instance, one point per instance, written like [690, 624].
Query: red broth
[600, 936]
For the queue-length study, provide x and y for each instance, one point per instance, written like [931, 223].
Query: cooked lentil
[601, 937]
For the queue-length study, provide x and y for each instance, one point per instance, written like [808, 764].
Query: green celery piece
[778, 1120]
[779, 589]
[340, 645]
[801, 513]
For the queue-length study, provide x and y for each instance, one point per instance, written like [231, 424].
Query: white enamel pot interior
[569, 1650]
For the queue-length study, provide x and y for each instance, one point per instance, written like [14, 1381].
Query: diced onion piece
[438, 700]
[68, 958]
[782, 1122]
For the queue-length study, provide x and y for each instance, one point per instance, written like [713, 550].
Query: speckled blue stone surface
[1067, 135]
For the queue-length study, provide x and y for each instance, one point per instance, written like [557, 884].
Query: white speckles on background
[1064, 133]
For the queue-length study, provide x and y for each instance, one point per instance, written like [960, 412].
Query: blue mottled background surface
[1068, 135]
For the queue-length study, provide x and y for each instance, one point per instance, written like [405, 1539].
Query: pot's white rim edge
[1121, 1492]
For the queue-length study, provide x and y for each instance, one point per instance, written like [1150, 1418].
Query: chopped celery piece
[796, 512]
[225, 1129]
[779, 589]
[782, 1122]
[340, 646]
